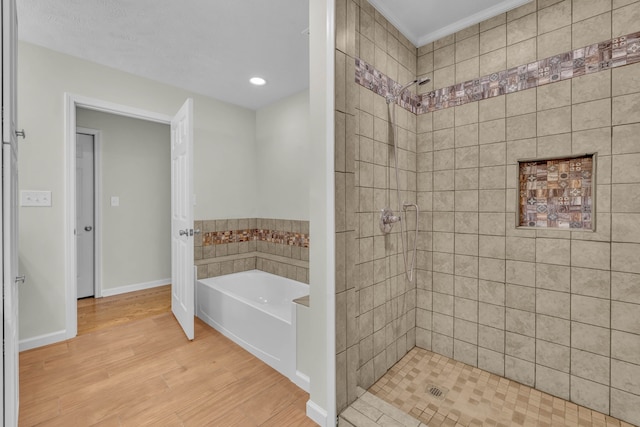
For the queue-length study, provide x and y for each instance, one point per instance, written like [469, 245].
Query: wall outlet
[35, 198]
[115, 201]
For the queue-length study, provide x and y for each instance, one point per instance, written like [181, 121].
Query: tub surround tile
[612, 53]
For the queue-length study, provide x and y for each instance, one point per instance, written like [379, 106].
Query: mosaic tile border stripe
[597, 57]
[557, 193]
[255, 234]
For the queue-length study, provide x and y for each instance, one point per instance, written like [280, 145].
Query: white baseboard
[42, 340]
[135, 287]
[301, 380]
[317, 414]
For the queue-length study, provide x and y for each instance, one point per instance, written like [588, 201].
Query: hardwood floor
[145, 372]
[99, 313]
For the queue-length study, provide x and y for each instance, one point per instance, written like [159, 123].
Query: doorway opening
[180, 142]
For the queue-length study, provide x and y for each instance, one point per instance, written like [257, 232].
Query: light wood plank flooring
[100, 313]
[145, 372]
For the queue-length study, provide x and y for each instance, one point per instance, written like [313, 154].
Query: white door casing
[9, 189]
[182, 277]
[85, 202]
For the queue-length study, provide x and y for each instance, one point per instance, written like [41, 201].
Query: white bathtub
[255, 310]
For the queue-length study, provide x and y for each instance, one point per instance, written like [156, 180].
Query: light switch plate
[115, 201]
[35, 198]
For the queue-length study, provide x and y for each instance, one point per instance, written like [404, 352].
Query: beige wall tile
[625, 168]
[491, 361]
[624, 287]
[466, 309]
[520, 53]
[466, 114]
[552, 381]
[491, 200]
[591, 366]
[520, 346]
[624, 317]
[589, 310]
[519, 370]
[520, 297]
[491, 315]
[467, 48]
[492, 108]
[625, 406]
[593, 339]
[465, 352]
[521, 322]
[554, 17]
[522, 102]
[590, 254]
[554, 42]
[467, 70]
[466, 244]
[625, 376]
[553, 329]
[592, 30]
[553, 251]
[583, 9]
[625, 227]
[592, 141]
[492, 131]
[492, 177]
[591, 87]
[625, 108]
[444, 57]
[553, 303]
[624, 139]
[554, 121]
[625, 257]
[553, 356]
[491, 269]
[554, 145]
[492, 62]
[590, 394]
[466, 179]
[590, 115]
[521, 150]
[466, 157]
[493, 39]
[589, 282]
[521, 127]
[521, 29]
[626, 80]
[625, 19]
[466, 136]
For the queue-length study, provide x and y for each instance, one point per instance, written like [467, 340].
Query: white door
[182, 280]
[9, 190]
[85, 230]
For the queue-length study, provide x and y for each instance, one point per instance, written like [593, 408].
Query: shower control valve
[387, 219]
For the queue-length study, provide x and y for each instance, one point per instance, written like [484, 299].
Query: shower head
[420, 82]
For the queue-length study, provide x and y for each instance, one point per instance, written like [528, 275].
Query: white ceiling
[213, 47]
[423, 21]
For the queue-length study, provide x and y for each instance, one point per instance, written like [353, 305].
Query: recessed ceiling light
[258, 81]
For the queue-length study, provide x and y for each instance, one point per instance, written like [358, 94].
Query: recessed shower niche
[557, 193]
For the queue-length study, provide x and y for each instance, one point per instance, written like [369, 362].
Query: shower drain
[436, 391]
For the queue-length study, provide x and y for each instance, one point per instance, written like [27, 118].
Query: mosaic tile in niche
[557, 193]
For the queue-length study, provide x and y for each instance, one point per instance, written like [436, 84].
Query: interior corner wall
[135, 157]
[224, 140]
[554, 309]
[282, 158]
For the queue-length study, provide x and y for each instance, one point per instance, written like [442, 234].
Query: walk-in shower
[387, 217]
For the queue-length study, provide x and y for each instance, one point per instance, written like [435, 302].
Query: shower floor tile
[439, 391]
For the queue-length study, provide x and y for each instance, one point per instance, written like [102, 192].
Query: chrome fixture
[387, 218]
[392, 98]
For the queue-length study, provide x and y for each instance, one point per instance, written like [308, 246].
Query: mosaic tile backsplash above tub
[601, 56]
[557, 193]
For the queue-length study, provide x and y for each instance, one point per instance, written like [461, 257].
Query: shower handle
[387, 219]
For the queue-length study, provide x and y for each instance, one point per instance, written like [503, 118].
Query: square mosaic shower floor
[440, 391]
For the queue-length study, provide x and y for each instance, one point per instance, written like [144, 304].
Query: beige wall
[224, 138]
[282, 158]
[555, 309]
[375, 303]
[136, 167]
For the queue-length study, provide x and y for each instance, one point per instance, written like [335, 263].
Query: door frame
[72, 102]
[97, 208]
